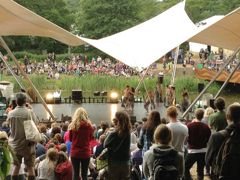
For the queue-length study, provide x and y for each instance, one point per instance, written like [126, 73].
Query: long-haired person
[118, 144]
[47, 166]
[80, 131]
[147, 131]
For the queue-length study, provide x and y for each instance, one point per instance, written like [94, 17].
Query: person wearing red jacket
[63, 170]
[81, 132]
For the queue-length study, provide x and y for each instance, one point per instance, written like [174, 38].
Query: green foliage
[55, 11]
[96, 19]
[101, 18]
[90, 83]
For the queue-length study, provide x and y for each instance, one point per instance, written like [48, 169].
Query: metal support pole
[5, 46]
[146, 90]
[141, 80]
[175, 66]
[227, 80]
[212, 80]
[14, 75]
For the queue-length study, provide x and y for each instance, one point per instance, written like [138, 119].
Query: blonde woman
[118, 144]
[80, 132]
[47, 166]
[207, 113]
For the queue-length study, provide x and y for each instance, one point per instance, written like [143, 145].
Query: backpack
[164, 167]
[226, 165]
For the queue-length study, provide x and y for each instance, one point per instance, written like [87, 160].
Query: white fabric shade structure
[142, 45]
[222, 32]
[18, 20]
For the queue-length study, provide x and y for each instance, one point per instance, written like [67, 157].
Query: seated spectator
[43, 130]
[5, 127]
[63, 168]
[47, 166]
[40, 149]
[99, 147]
[162, 150]
[63, 148]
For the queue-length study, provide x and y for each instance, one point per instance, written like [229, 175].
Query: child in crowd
[47, 166]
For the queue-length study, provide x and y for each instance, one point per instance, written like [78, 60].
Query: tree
[101, 18]
[56, 11]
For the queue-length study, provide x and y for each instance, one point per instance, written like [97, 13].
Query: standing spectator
[231, 171]
[17, 140]
[179, 130]
[147, 131]
[198, 135]
[162, 149]
[207, 113]
[81, 132]
[118, 144]
[217, 121]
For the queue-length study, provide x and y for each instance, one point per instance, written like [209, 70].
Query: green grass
[90, 83]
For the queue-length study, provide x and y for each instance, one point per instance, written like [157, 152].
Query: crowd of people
[213, 60]
[154, 148]
[77, 65]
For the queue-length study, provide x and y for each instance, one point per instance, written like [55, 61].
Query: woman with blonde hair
[80, 133]
[47, 166]
[118, 144]
[206, 115]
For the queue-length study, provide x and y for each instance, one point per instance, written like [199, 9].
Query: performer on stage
[149, 101]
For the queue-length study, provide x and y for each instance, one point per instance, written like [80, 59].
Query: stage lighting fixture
[49, 98]
[114, 97]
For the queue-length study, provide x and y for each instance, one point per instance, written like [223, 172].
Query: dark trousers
[76, 168]
[191, 158]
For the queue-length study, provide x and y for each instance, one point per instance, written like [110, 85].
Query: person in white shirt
[179, 130]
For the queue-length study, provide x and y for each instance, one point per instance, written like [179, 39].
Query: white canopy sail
[142, 45]
[17, 20]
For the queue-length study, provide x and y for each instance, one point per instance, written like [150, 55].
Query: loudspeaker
[77, 95]
[104, 93]
[160, 78]
[96, 93]
[211, 103]
[200, 87]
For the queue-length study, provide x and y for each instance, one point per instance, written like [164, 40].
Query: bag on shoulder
[164, 167]
[31, 130]
[226, 165]
[102, 160]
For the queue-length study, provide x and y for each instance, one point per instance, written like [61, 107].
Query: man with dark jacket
[218, 138]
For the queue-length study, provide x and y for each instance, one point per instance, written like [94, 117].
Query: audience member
[81, 133]
[179, 130]
[217, 121]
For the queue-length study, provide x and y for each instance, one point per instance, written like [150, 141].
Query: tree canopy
[101, 18]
